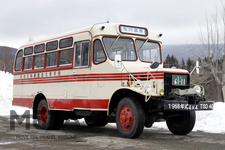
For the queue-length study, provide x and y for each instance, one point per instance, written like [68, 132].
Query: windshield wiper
[114, 42]
[143, 44]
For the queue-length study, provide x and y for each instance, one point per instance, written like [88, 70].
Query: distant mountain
[180, 51]
[4, 49]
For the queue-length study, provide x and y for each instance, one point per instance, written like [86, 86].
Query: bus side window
[39, 48]
[99, 54]
[28, 63]
[19, 59]
[82, 54]
[52, 45]
[39, 61]
[85, 54]
[65, 57]
[77, 55]
[51, 59]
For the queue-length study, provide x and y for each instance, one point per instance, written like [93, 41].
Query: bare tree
[212, 37]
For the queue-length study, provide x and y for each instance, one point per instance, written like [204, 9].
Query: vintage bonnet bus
[105, 73]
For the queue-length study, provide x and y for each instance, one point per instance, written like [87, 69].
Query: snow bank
[211, 121]
[6, 95]
[206, 121]
[6, 83]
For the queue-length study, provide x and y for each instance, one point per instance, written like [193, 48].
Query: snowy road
[79, 136]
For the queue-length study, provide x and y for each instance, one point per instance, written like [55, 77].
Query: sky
[178, 20]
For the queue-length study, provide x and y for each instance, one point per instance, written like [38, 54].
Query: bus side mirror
[154, 65]
[197, 67]
[117, 61]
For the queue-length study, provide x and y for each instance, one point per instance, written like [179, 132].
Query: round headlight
[148, 87]
[197, 89]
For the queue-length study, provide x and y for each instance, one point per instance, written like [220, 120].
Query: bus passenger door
[81, 71]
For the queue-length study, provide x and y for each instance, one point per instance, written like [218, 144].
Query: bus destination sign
[133, 30]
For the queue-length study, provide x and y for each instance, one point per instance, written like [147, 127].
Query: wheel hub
[126, 117]
[43, 114]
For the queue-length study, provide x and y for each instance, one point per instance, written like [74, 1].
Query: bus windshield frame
[148, 51]
[123, 46]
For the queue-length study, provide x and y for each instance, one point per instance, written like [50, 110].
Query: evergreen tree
[171, 61]
[167, 62]
[189, 64]
[174, 61]
[183, 66]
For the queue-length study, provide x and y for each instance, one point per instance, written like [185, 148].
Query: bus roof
[103, 29]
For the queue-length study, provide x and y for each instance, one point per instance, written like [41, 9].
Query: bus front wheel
[130, 118]
[181, 122]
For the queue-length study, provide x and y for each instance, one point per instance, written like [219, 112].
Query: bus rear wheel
[98, 120]
[181, 122]
[130, 118]
[46, 118]
[59, 120]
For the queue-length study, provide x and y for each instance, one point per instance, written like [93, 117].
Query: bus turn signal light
[130, 83]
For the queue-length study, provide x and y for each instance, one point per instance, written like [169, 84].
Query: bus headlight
[148, 88]
[197, 89]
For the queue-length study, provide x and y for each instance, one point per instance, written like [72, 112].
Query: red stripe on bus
[92, 77]
[86, 77]
[61, 79]
[26, 102]
[70, 104]
[66, 104]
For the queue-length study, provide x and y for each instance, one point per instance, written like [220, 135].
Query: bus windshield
[122, 46]
[148, 51]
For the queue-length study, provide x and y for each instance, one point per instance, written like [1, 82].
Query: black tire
[98, 120]
[91, 121]
[181, 122]
[130, 118]
[103, 120]
[59, 120]
[45, 117]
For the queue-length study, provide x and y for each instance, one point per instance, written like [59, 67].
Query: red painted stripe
[92, 77]
[26, 102]
[66, 104]
[70, 104]
[87, 77]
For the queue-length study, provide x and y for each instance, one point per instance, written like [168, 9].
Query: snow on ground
[206, 121]
[6, 95]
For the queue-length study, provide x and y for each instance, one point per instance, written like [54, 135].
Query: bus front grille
[168, 83]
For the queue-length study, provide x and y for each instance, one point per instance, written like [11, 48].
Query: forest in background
[204, 78]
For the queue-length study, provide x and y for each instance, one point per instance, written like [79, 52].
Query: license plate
[179, 80]
[183, 105]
